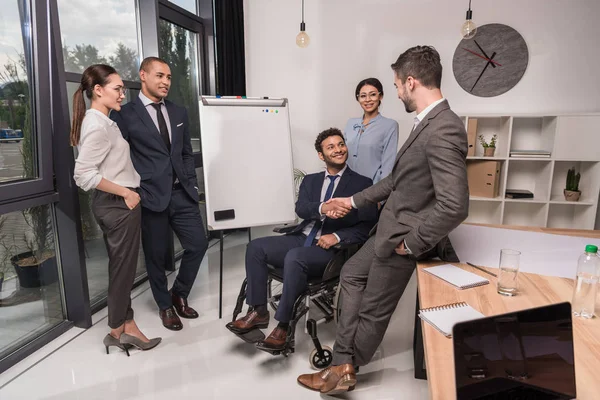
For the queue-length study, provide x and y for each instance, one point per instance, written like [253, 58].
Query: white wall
[355, 39]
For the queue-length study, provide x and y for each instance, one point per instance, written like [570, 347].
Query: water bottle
[584, 295]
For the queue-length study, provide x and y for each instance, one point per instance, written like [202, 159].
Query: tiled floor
[204, 360]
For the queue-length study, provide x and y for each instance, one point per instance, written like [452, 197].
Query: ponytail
[93, 75]
[78, 114]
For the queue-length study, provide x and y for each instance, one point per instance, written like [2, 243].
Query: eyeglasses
[371, 96]
[121, 90]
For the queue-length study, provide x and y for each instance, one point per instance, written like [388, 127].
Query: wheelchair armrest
[343, 246]
[345, 251]
[285, 228]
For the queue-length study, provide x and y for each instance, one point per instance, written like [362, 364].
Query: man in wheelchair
[304, 253]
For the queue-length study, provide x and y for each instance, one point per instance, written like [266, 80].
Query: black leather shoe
[182, 308]
[170, 319]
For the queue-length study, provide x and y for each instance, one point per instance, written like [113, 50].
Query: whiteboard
[247, 162]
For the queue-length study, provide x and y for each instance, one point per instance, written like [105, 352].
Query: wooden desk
[535, 291]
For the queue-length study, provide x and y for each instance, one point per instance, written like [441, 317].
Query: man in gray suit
[427, 196]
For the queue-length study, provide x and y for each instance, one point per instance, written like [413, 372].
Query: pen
[481, 269]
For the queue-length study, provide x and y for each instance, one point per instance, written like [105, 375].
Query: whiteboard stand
[221, 275]
[237, 133]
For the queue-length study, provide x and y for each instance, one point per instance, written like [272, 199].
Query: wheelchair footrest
[253, 336]
[275, 352]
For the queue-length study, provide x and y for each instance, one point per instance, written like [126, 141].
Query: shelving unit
[571, 140]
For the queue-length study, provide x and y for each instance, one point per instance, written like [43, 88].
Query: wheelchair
[321, 293]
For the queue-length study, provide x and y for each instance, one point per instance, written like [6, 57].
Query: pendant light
[302, 40]
[468, 29]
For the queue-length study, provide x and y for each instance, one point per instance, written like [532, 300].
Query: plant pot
[571, 195]
[32, 276]
[489, 151]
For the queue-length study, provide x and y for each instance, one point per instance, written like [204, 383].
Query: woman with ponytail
[104, 164]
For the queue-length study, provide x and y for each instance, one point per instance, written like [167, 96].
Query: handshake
[337, 207]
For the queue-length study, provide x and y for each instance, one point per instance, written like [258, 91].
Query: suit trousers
[299, 264]
[370, 290]
[121, 228]
[183, 216]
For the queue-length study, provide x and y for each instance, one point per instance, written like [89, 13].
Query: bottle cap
[590, 248]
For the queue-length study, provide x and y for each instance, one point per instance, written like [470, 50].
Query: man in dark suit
[427, 197]
[305, 252]
[161, 150]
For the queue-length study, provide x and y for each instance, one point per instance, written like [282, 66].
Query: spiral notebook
[456, 276]
[443, 318]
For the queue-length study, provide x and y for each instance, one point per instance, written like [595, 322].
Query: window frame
[37, 57]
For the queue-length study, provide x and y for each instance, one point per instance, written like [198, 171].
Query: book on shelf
[530, 153]
[518, 194]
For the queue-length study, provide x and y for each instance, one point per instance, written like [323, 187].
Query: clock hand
[485, 58]
[484, 68]
[477, 44]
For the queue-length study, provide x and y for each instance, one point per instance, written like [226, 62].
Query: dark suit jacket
[151, 157]
[355, 226]
[427, 192]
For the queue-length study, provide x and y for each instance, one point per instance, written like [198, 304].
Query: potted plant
[571, 191]
[488, 148]
[298, 177]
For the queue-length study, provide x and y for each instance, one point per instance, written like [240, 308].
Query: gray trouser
[121, 227]
[371, 288]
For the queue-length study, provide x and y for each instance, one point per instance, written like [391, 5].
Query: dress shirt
[154, 113]
[326, 181]
[103, 153]
[372, 147]
[421, 116]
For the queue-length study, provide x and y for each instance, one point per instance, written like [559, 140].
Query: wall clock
[492, 62]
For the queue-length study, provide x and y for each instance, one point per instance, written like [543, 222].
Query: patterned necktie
[313, 232]
[162, 125]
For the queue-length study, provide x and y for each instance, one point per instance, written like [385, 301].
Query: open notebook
[456, 276]
[443, 318]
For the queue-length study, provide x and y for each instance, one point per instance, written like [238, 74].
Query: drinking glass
[508, 283]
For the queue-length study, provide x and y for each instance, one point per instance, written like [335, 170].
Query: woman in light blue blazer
[372, 140]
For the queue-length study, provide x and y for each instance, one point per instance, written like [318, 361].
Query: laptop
[521, 355]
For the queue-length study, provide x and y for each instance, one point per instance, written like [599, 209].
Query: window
[179, 48]
[17, 141]
[30, 289]
[189, 5]
[100, 32]
[86, 40]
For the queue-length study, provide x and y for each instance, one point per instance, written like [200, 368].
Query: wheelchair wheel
[323, 360]
[337, 304]
[274, 288]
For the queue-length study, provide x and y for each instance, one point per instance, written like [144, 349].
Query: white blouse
[103, 153]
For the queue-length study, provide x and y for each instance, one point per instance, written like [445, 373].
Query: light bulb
[302, 40]
[468, 29]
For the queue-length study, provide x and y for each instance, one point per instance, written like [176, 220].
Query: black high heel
[109, 340]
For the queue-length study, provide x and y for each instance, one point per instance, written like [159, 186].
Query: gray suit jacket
[427, 192]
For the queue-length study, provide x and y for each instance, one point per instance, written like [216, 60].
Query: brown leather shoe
[332, 380]
[251, 321]
[170, 319]
[182, 308]
[275, 341]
